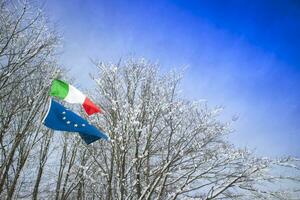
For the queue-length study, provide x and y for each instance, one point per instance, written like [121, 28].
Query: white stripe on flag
[74, 96]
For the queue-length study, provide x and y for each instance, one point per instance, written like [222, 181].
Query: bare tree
[27, 47]
[165, 147]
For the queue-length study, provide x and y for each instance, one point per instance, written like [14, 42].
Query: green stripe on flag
[59, 89]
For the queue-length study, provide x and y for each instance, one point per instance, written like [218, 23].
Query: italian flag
[70, 94]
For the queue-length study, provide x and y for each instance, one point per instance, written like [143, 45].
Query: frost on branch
[166, 147]
[27, 48]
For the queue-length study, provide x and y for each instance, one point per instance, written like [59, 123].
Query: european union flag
[62, 119]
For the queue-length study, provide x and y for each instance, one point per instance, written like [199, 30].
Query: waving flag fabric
[70, 94]
[60, 118]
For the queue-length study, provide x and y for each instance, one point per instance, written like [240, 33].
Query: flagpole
[47, 111]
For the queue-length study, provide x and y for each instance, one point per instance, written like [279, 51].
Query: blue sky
[240, 54]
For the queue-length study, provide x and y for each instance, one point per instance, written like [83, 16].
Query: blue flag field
[60, 118]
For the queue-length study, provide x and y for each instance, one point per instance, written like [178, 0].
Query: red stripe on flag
[89, 107]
